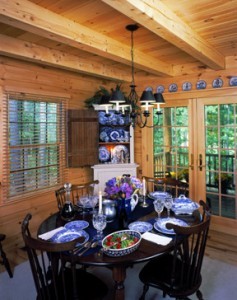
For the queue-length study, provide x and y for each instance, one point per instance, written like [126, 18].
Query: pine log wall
[26, 77]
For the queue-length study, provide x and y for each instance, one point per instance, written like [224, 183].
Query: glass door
[217, 154]
[196, 142]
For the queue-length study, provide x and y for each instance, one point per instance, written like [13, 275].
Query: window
[35, 155]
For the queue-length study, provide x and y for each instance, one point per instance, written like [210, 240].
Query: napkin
[155, 238]
[49, 234]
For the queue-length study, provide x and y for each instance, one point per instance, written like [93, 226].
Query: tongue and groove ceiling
[87, 36]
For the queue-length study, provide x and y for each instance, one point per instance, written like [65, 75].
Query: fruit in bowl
[121, 243]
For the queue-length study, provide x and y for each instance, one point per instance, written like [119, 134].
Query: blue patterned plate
[65, 235]
[76, 225]
[157, 194]
[104, 154]
[140, 226]
[114, 135]
[160, 225]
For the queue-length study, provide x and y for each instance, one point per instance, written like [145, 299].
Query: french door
[196, 141]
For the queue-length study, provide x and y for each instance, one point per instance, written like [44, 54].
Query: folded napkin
[49, 234]
[155, 238]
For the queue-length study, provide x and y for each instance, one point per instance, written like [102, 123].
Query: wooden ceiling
[89, 36]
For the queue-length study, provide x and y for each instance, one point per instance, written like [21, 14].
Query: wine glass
[84, 200]
[159, 206]
[93, 202]
[99, 223]
[168, 202]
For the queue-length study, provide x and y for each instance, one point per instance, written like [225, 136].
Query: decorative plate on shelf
[102, 118]
[120, 154]
[173, 87]
[104, 154]
[160, 89]
[201, 85]
[160, 225]
[65, 235]
[187, 86]
[233, 81]
[140, 226]
[114, 135]
[217, 83]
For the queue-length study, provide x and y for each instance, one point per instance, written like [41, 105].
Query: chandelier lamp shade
[138, 111]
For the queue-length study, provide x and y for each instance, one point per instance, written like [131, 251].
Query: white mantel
[104, 172]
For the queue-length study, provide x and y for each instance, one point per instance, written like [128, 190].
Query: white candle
[100, 202]
[144, 186]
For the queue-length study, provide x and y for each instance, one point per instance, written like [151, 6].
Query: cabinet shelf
[114, 143]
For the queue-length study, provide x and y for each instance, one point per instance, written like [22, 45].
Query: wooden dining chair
[178, 273]
[77, 190]
[53, 266]
[3, 256]
[171, 185]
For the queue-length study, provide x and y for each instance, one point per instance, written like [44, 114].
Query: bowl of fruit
[120, 243]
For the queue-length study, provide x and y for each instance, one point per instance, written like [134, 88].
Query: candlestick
[100, 202]
[144, 187]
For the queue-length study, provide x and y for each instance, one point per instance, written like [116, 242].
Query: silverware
[79, 248]
[91, 245]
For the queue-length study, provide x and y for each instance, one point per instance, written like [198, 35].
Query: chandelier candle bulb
[100, 202]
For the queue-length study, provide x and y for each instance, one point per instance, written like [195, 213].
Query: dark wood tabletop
[146, 251]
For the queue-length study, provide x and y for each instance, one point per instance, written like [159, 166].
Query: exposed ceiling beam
[38, 54]
[33, 18]
[159, 19]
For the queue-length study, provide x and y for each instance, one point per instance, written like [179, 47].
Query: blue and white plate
[201, 85]
[114, 135]
[157, 194]
[160, 225]
[76, 225]
[160, 89]
[233, 81]
[140, 226]
[66, 235]
[217, 83]
[173, 87]
[187, 86]
[104, 154]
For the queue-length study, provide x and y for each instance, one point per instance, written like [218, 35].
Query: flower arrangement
[122, 184]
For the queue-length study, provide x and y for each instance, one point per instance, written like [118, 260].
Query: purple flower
[122, 184]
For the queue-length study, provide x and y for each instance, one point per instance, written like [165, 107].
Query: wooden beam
[159, 19]
[38, 54]
[38, 20]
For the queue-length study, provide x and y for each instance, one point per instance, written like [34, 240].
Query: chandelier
[138, 112]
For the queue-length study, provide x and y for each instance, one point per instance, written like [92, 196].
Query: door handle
[200, 166]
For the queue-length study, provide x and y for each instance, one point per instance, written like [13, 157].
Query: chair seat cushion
[157, 273]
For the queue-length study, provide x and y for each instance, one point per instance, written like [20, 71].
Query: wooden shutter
[83, 138]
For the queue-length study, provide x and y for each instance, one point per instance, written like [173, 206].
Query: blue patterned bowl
[122, 251]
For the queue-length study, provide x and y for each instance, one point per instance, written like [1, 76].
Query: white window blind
[34, 159]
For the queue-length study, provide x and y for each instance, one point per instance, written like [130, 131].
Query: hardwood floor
[220, 246]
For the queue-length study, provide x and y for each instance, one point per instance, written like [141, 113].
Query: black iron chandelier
[138, 114]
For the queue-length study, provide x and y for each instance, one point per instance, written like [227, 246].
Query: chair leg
[5, 261]
[199, 295]
[145, 289]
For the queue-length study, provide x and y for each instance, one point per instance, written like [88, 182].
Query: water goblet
[159, 206]
[99, 223]
[93, 202]
[84, 200]
[168, 202]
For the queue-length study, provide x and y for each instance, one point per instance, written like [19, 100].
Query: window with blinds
[35, 155]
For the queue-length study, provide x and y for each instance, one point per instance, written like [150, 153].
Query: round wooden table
[146, 251]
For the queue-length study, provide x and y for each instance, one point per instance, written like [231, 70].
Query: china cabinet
[115, 147]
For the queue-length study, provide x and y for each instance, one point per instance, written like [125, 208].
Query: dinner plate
[76, 225]
[160, 225]
[65, 235]
[140, 226]
[114, 135]
[157, 194]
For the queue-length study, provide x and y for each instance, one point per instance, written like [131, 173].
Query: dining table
[118, 265]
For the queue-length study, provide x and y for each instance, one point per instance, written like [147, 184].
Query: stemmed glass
[84, 200]
[99, 223]
[168, 202]
[93, 202]
[159, 206]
